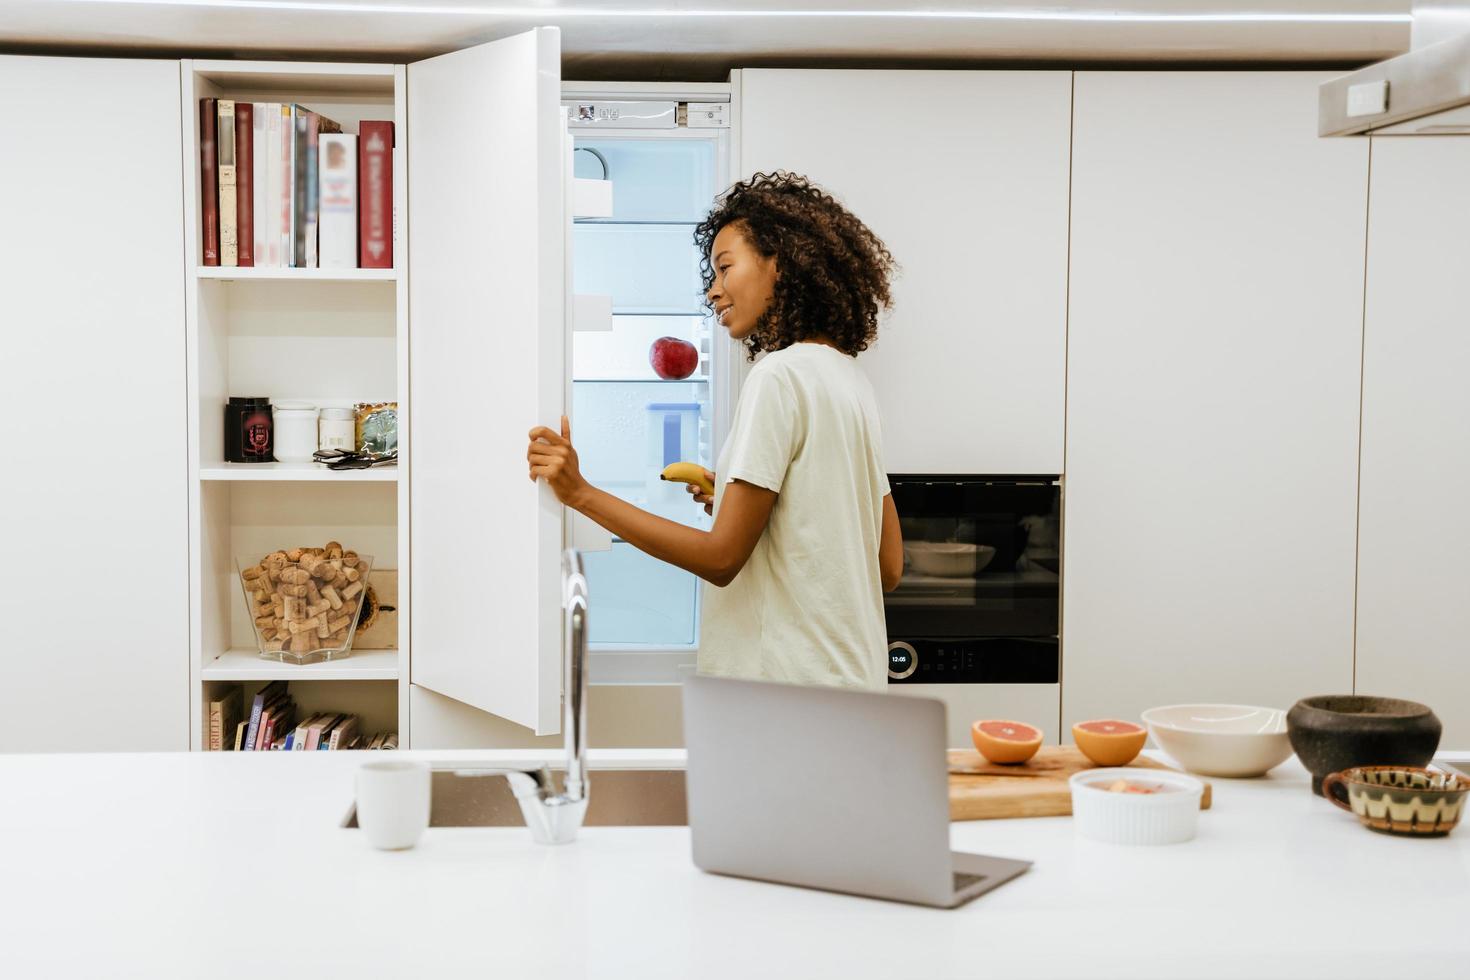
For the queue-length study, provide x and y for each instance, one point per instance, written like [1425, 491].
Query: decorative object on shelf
[377, 624]
[1333, 732]
[249, 430]
[336, 428]
[377, 427]
[672, 358]
[295, 434]
[304, 602]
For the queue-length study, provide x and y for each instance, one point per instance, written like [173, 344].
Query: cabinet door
[487, 352]
[1413, 577]
[964, 177]
[1212, 393]
[96, 451]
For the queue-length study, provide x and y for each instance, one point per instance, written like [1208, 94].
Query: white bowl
[1232, 740]
[950, 559]
[1170, 817]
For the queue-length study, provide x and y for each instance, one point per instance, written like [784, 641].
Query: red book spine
[209, 181]
[245, 182]
[375, 195]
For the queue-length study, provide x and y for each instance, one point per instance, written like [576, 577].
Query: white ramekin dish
[1169, 817]
[1233, 740]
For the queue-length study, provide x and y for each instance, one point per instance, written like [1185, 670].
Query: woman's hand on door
[552, 458]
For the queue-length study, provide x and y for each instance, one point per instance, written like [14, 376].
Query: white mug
[393, 802]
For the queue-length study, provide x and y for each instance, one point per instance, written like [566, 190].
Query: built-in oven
[980, 598]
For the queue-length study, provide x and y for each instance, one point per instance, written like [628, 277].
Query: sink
[617, 798]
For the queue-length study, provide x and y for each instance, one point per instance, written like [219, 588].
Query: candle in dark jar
[249, 431]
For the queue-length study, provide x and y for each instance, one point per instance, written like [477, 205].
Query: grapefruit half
[1108, 741]
[1006, 743]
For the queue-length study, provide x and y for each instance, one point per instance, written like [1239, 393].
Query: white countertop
[217, 865]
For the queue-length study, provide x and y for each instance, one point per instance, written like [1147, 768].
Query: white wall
[93, 586]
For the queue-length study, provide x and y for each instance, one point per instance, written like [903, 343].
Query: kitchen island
[217, 865]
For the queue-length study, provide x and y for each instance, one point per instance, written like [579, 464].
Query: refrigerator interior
[630, 423]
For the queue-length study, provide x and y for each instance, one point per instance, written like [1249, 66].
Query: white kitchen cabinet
[94, 586]
[1212, 393]
[963, 174]
[488, 159]
[1414, 528]
[320, 335]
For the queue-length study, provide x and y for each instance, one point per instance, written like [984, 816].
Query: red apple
[673, 359]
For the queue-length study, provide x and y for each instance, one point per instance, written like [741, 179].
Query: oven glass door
[981, 564]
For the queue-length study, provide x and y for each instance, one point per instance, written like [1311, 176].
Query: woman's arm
[890, 548]
[716, 555]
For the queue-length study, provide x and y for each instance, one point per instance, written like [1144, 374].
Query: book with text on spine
[337, 229]
[209, 181]
[375, 194]
[245, 183]
[260, 167]
[229, 244]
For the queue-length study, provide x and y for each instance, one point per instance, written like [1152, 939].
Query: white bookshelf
[326, 336]
[233, 273]
[296, 472]
[247, 665]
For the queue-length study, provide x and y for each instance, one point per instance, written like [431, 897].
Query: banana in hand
[688, 473]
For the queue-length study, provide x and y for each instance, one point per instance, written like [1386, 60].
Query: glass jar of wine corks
[305, 602]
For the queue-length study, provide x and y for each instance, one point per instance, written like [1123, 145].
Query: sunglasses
[351, 459]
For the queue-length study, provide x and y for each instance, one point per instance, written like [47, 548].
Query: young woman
[805, 537]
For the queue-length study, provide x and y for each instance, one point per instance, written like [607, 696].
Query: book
[314, 730]
[275, 718]
[265, 694]
[298, 737]
[390, 741]
[224, 716]
[375, 194]
[343, 733]
[245, 182]
[317, 125]
[337, 221]
[324, 743]
[288, 184]
[240, 734]
[209, 181]
[229, 245]
[377, 741]
[260, 167]
[271, 199]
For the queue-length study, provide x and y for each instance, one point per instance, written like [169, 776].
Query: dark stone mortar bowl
[1333, 732]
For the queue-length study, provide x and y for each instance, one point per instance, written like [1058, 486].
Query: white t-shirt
[807, 608]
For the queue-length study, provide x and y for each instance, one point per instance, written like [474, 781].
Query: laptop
[846, 791]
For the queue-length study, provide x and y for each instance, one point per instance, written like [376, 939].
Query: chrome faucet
[554, 818]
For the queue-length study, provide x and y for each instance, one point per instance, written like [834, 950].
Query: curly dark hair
[832, 272]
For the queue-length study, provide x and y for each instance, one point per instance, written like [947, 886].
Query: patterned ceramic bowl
[1403, 800]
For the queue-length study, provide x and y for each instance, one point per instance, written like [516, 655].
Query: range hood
[1423, 93]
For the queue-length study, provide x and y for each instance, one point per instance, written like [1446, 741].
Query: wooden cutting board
[981, 790]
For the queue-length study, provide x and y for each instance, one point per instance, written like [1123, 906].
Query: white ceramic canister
[336, 429]
[295, 431]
